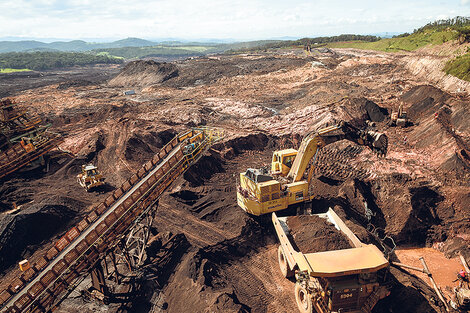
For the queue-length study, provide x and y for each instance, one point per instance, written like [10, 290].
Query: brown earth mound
[144, 73]
[28, 229]
[425, 99]
[372, 111]
[315, 234]
[205, 70]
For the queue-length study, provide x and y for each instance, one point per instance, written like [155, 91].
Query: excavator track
[336, 163]
[42, 286]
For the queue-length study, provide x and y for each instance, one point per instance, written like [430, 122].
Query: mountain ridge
[71, 46]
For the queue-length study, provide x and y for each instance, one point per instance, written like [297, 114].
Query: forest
[48, 60]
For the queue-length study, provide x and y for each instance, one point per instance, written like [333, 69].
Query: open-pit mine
[281, 181]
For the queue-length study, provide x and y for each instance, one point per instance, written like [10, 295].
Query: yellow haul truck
[348, 280]
[261, 191]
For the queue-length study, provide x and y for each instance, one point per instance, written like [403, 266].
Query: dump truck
[90, 177]
[261, 191]
[348, 280]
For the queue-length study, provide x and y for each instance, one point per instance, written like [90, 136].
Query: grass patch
[459, 67]
[409, 43]
[13, 70]
[106, 54]
[195, 48]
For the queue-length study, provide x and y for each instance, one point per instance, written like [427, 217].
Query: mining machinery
[90, 178]
[347, 280]
[107, 227]
[461, 299]
[400, 117]
[22, 138]
[262, 191]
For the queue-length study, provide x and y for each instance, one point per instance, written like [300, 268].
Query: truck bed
[361, 258]
[312, 233]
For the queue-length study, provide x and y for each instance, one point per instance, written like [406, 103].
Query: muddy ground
[418, 194]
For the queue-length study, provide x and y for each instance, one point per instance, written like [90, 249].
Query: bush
[459, 67]
[453, 23]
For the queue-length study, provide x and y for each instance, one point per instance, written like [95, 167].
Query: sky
[222, 19]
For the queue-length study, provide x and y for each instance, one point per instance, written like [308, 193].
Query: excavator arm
[314, 141]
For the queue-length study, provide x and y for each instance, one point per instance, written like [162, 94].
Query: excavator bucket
[378, 142]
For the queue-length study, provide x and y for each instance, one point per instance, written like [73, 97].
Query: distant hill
[179, 49]
[129, 47]
[130, 42]
[316, 41]
[13, 46]
[70, 46]
[23, 54]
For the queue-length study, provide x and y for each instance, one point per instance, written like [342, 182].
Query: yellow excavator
[399, 118]
[261, 191]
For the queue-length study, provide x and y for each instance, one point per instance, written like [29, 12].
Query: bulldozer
[261, 191]
[399, 118]
[90, 178]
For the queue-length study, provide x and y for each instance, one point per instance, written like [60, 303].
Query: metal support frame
[131, 227]
[135, 243]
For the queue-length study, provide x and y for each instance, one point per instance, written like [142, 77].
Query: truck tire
[285, 269]
[303, 299]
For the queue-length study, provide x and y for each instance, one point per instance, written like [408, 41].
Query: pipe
[464, 263]
[425, 270]
[438, 292]
[408, 267]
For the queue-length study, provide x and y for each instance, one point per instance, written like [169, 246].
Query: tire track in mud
[199, 233]
[256, 278]
[259, 283]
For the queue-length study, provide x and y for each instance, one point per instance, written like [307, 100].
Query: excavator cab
[399, 118]
[282, 161]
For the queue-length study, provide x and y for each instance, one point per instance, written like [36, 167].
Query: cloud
[243, 19]
[464, 2]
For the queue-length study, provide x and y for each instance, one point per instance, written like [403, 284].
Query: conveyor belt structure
[74, 255]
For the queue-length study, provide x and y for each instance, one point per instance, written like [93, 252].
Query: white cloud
[244, 19]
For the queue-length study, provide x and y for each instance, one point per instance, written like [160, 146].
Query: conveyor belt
[40, 287]
[22, 154]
